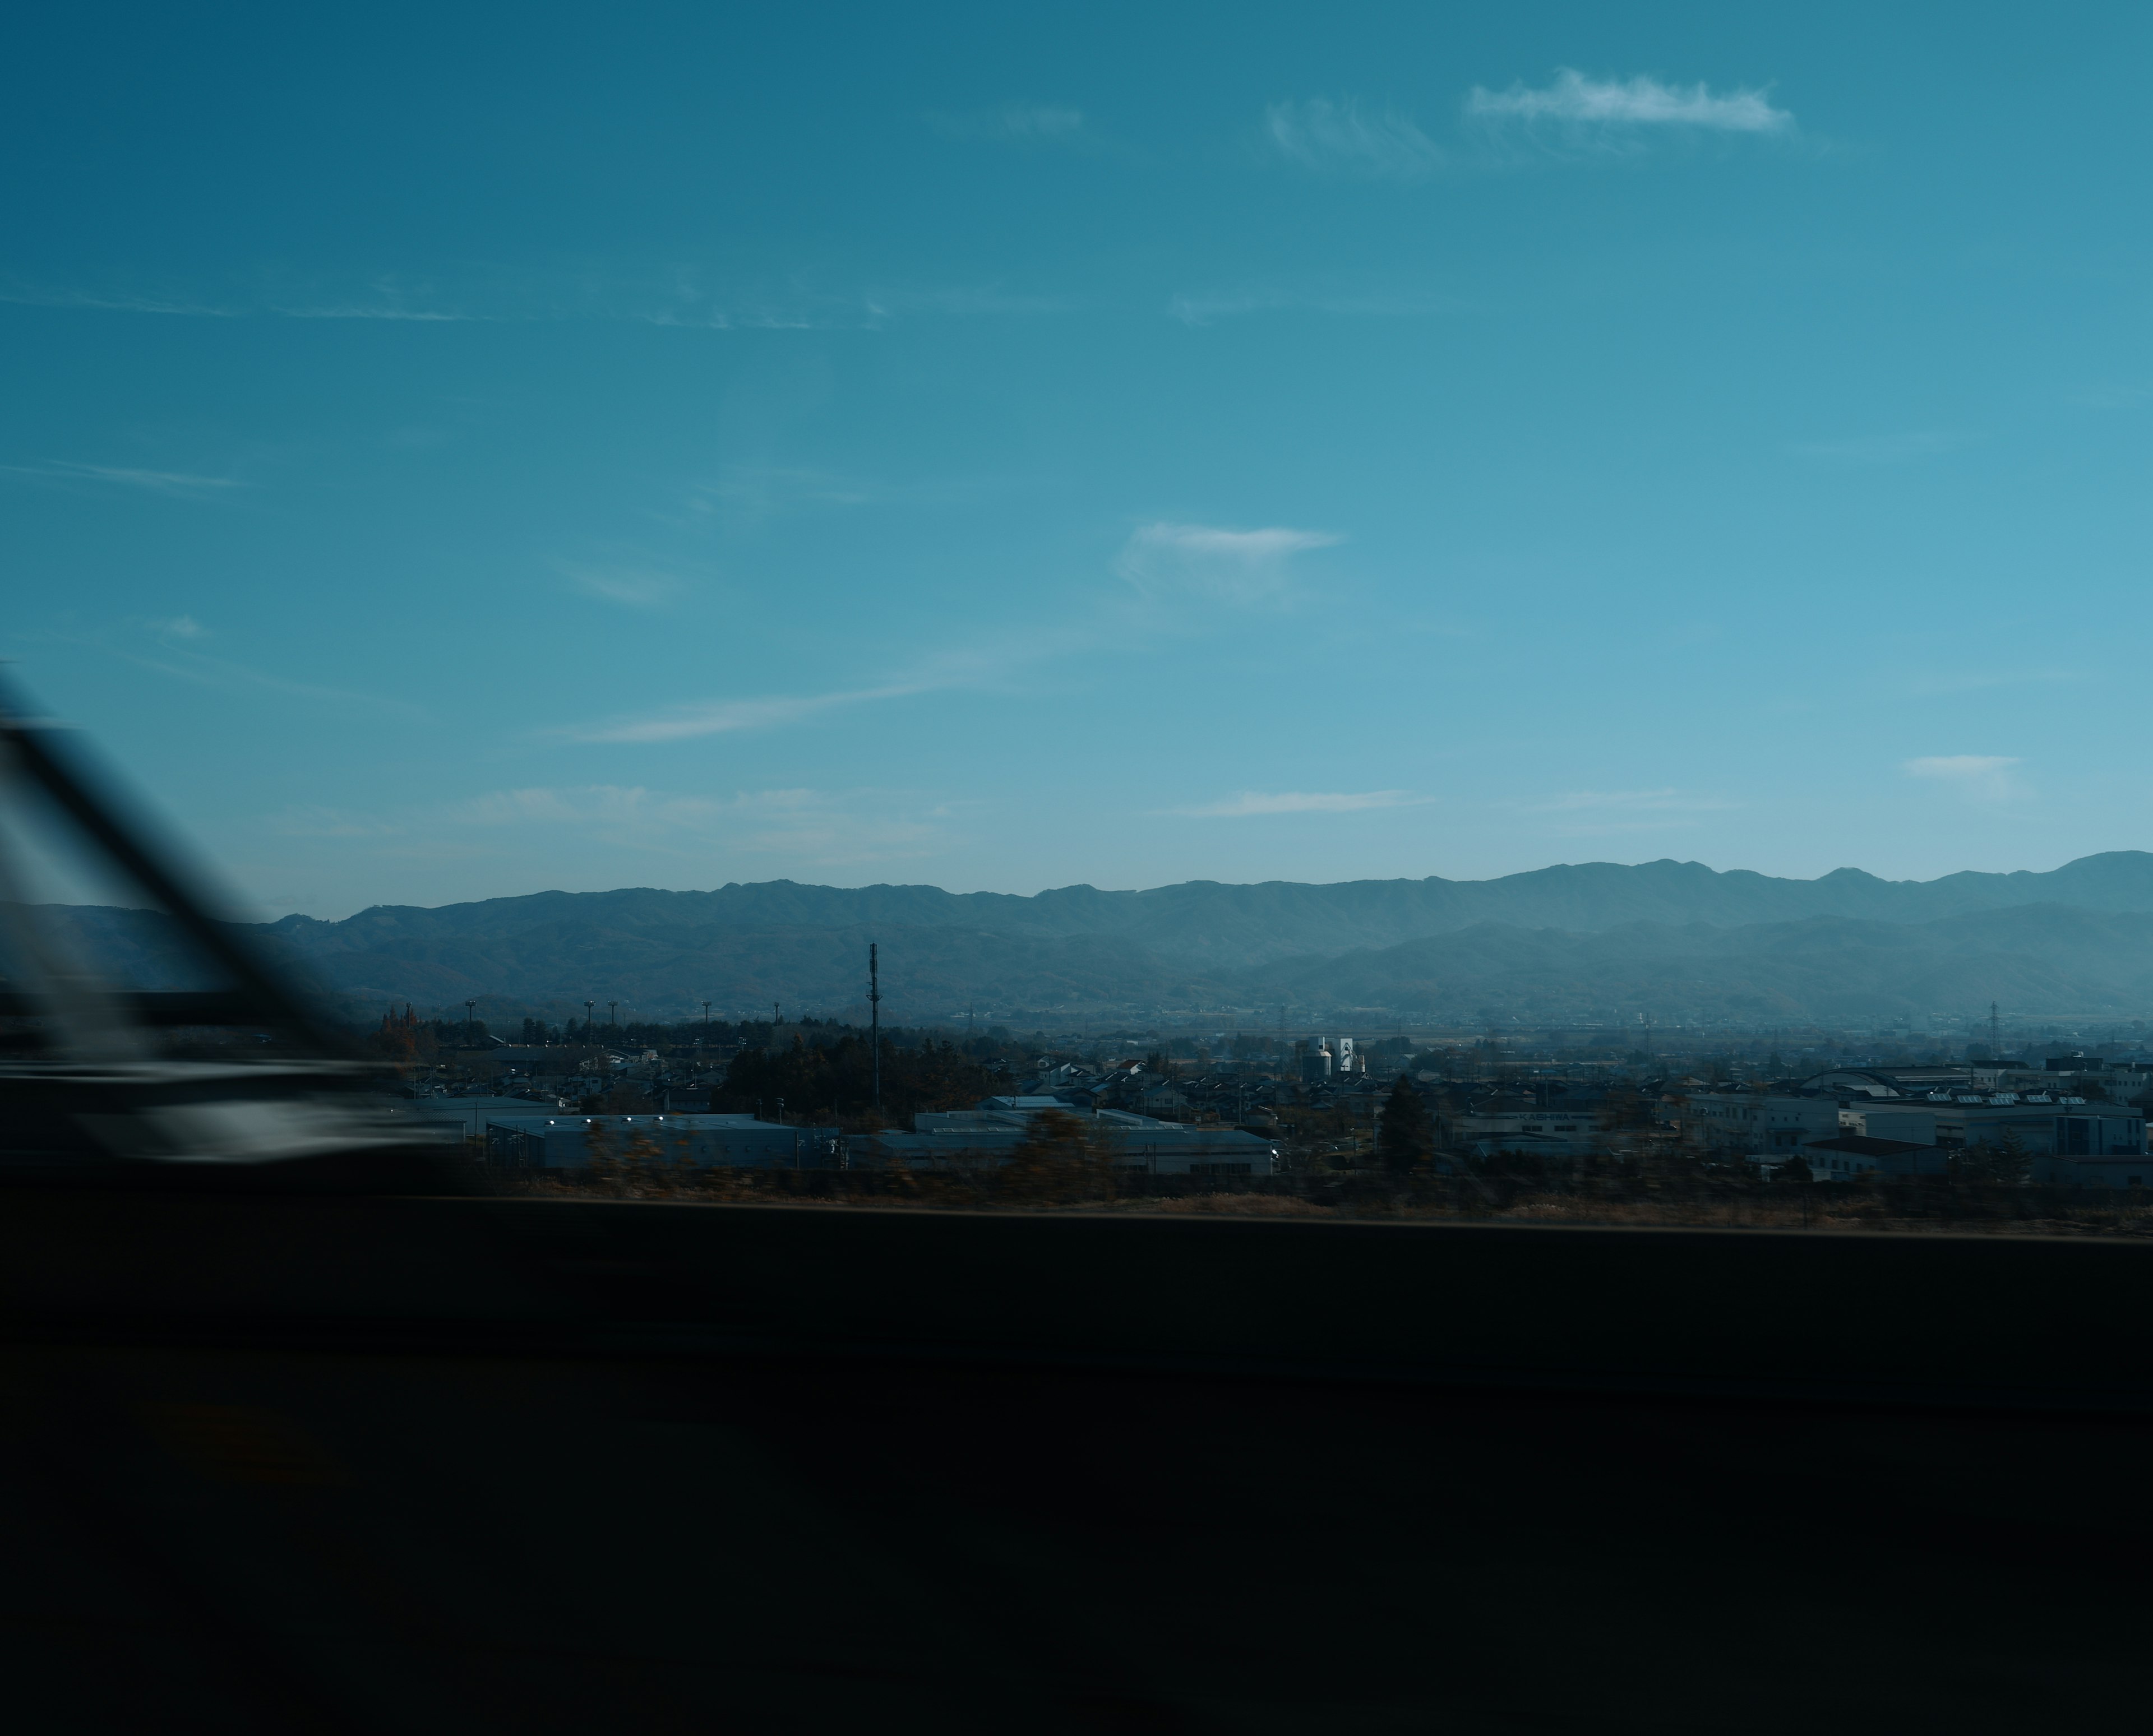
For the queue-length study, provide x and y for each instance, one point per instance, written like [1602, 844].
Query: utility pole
[874, 1022]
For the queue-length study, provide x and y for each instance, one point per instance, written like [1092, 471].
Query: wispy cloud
[725, 717]
[749, 494]
[1202, 307]
[1006, 664]
[759, 491]
[1346, 138]
[93, 302]
[1577, 100]
[963, 300]
[1655, 801]
[175, 627]
[177, 482]
[636, 587]
[862, 313]
[178, 658]
[1049, 121]
[1885, 449]
[691, 295]
[1170, 568]
[1981, 777]
[1239, 567]
[388, 304]
[352, 310]
[1303, 801]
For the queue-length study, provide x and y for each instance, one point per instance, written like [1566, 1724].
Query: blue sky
[457, 451]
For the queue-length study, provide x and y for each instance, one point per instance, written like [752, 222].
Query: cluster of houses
[2077, 1123]
[1325, 1072]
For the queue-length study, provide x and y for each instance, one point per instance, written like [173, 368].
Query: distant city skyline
[463, 452]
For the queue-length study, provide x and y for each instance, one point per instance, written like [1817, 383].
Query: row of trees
[408, 1040]
[833, 1082]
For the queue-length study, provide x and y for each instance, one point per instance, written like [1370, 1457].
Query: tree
[403, 1039]
[2008, 1161]
[1061, 1159]
[1406, 1137]
[837, 1079]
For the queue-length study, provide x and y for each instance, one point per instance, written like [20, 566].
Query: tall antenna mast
[874, 1022]
[1995, 1034]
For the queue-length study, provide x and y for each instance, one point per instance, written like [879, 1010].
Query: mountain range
[1580, 942]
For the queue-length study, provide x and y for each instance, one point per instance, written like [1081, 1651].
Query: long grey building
[987, 1136]
[579, 1142]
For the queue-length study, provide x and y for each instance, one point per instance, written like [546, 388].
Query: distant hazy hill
[2043, 958]
[1669, 938]
[1251, 924]
[1662, 936]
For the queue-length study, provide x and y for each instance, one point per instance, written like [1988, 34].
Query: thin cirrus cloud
[1303, 801]
[180, 307]
[1048, 121]
[1245, 568]
[178, 483]
[1201, 307]
[674, 296]
[1981, 777]
[172, 626]
[755, 492]
[726, 717]
[1576, 100]
[1346, 138]
[182, 662]
[422, 316]
[990, 664]
[633, 587]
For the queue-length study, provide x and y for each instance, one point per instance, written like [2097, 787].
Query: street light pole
[874, 1022]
